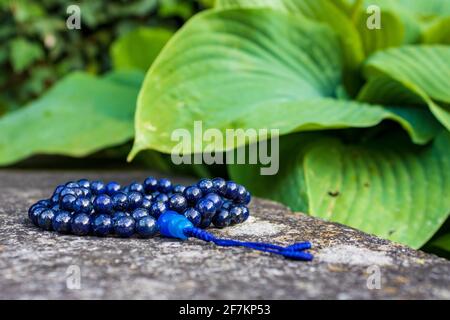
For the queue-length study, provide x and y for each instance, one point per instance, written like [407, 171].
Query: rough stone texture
[34, 263]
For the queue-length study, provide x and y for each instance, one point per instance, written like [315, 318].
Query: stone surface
[38, 264]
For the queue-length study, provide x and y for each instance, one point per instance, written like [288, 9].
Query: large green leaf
[251, 68]
[422, 70]
[78, 116]
[138, 48]
[387, 186]
[438, 31]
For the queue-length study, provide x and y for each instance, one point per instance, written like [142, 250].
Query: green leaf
[438, 32]
[78, 116]
[386, 186]
[24, 53]
[422, 70]
[138, 49]
[442, 242]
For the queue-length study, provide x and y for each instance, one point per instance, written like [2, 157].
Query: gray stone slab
[38, 264]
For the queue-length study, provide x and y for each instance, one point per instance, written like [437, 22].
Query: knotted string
[294, 251]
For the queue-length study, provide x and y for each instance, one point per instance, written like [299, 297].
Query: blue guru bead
[82, 204]
[193, 215]
[62, 221]
[220, 186]
[139, 213]
[124, 227]
[45, 220]
[164, 185]
[150, 185]
[81, 224]
[146, 227]
[135, 200]
[98, 187]
[120, 201]
[222, 219]
[206, 185]
[103, 204]
[112, 188]
[67, 202]
[216, 199]
[206, 208]
[136, 187]
[102, 225]
[171, 224]
[157, 209]
[84, 183]
[177, 203]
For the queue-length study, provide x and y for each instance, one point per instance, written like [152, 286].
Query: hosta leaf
[24, 53]
[387, 187]
[252, 68]
[438, 31]
[137, 49]
[423, 70]
[78, 116]
[442, 242]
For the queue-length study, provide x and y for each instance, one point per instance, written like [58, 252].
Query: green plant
[375, 104]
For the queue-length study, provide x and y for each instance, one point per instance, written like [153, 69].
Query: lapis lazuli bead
[248, 198]
[146, 227]
[240, 194]
[67, 191]
[178, 188]
[135, 200]
[120, 201]
[193, 215]
[162, 197]
[245, 213]
[206, 185]
[112, 188]
[135, 186]
[124, 227]
[67, 202]
[216, 199]
[82, 204]
[206, 208]
[222, 219]
[172, 224]
[81, 224]
[58, 189]
[62, 222]
[220, 186]
[102, 225]
[231, 190]
[150, 185]
[98, 187]
[237, 214]
[146, 204]
[34, 214]
[227, 204]
[103, 204]
[139, 213]
[84, 183]
[178, 203]
[72, 184]
[117, 215]
[45, 220]
[205, 223]
[192, 194]
[157, 209]
[86, 192]
[164, 185]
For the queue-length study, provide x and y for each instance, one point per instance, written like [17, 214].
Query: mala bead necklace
[176, 211]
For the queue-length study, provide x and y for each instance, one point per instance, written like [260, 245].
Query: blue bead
[193, 194]
[240, 194]
[162, 197]
[216, 199]
[58, 189]
[45, 220]
[44, 203]
[102, 225]
[120, 201]
[82, 204]
[81, 224]
[34, 214]
[62, 222]
[193, 215]
[245, 213]
[177, 203]
[248, 198]
[84, 183]
[237, 214]
[103, 204]
[67, 191]
[222, 219]
[124, 227]
[55, 198]
[227, 204]
[135, 200]
[157, 209]
[85, 191]
[231, 190]
[205, 223]
[146, 204]
[171, 224]
[56, 207]
[220, 186]
[137, 187]
[67, 202]
[164, 185]
[139, 213]
[98, 187]
[178, 188]
[112, 188]
[206, 185]
[78, 192]
[146, 227]
[117, 215]
[206, 208]
[72, 184]
[150, 185]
